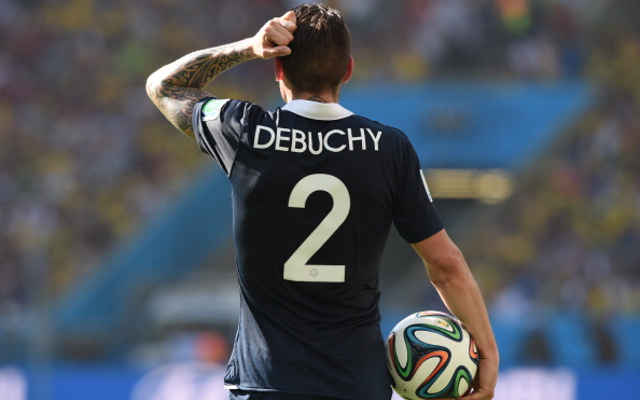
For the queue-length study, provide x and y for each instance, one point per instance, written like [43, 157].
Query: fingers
[485, 382]
[479, 395]
[280, 30]
[279, 51]
[275, 35]
[290, 17]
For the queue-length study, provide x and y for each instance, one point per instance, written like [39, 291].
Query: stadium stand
[85, 161]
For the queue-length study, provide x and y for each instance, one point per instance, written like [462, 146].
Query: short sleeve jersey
[315, 189]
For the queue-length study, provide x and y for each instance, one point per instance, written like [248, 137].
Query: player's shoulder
[379, 125]
[391, 133]
[212, 108]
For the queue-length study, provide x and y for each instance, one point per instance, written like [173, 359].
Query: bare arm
[177, 87]
[452, 278]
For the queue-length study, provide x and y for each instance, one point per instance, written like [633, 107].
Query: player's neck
[319, 99]
[325, 97]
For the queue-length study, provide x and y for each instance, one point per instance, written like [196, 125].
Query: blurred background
[117, 275]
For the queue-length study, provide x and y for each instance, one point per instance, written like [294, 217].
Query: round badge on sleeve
[212, 109]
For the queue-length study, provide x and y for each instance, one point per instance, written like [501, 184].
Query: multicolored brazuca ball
[430, 355]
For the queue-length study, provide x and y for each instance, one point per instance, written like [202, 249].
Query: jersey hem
[302, 393]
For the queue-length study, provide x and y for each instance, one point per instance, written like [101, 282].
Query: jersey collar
[319, 111]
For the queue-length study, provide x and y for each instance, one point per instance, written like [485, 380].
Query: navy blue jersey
[315, 189]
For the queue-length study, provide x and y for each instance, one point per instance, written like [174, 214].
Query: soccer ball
[430, 355]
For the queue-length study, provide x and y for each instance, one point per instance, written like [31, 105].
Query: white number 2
[296, 267]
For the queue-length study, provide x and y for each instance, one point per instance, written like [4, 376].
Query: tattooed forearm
[197, 69]
[177, 87]
[177, 103]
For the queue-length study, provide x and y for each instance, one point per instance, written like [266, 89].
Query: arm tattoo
[176, 88]
[199, 68]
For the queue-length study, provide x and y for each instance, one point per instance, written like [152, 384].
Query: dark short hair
[320, 49]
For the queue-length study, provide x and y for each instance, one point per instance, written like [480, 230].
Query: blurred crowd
[85, 159]
[575, 241]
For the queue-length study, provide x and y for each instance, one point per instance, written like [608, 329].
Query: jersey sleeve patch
[212, 108]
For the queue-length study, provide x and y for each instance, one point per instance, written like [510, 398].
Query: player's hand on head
[272, 39]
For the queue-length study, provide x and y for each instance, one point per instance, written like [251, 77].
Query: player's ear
[349, 73]
[279, 71]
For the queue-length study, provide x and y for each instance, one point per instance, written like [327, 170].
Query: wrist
[243, 50]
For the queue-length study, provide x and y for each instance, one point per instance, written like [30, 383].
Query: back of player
[315, 190]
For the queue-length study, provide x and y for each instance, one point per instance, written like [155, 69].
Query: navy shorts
[237, 394]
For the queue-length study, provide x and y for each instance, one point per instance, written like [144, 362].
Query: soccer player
[315, 191]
